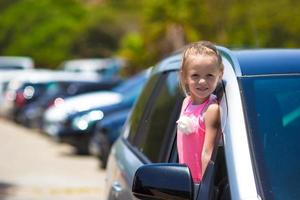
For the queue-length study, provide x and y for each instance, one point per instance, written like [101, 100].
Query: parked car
[5, 77]
[56, 115]
[260, 130]
[106, 132]
[16, 63]
[14, 81]
[57, 91]
[27, 88]
[77, 127]
[106, 67]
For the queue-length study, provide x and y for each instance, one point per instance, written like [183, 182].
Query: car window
[137, 113]
[126, 86]
[273, 109]
[158, 126]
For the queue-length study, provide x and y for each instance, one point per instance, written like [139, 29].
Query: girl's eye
[194, 75]
[210, 75]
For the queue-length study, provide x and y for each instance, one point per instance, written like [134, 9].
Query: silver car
[258, 156]
[16, 62]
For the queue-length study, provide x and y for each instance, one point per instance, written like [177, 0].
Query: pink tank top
[190, 135]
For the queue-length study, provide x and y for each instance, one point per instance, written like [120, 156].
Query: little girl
[199, 120]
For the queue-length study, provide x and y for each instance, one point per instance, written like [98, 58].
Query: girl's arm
[212, 124]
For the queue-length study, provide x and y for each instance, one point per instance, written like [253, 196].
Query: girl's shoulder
[212, 105]
[212, 112]
[186, 101]
[213, 99]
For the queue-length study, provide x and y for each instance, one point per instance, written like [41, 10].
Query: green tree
[41, 29]
[142, 31]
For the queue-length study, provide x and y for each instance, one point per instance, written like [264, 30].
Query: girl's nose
[201, 80]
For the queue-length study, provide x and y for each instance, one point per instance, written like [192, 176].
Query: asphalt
[33, 167]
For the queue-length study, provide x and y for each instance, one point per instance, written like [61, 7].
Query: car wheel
[105, 149]
[82, 149]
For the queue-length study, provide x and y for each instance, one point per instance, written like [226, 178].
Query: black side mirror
[163, 181]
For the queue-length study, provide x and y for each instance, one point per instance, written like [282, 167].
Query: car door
[214, 184]
[148, 134]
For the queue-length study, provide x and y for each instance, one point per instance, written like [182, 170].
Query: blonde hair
[195, 49]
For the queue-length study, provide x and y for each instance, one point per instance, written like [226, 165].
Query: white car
[260, 115]
[57, 114]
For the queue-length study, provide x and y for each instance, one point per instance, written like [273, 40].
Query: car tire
[105, 149]
[82, 149]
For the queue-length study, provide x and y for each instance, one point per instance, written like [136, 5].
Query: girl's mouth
[202, 89]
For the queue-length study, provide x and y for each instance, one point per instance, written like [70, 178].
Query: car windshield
[273, 115]
[127, 85]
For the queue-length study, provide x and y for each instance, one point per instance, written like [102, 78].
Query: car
[106, 132]
[57, 91]
[55, 117]
[16, 63]
[256, 157]
[77, 126]
[5, 77]
[28, 87]
[106, 67]
[13, 81]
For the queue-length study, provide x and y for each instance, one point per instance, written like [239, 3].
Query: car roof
[171, 62]
[267, 61]
[91, 64]
[248, 62]
[16, 62]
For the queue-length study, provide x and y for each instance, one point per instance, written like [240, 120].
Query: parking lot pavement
[32, 167]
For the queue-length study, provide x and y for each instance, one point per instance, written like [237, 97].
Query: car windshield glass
[273, 115]
[133, 93]
[127, 85]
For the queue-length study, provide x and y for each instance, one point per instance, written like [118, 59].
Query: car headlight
[83, 122]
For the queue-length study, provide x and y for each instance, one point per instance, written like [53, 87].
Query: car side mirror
[163, 181]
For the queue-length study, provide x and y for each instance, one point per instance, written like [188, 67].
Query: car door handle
[116, 189]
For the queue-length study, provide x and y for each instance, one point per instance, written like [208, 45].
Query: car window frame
[168, 146]
[133, 145]
[147, 111]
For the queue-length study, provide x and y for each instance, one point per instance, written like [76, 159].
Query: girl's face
[202, 76]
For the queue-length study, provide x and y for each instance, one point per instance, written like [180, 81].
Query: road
[33, 167]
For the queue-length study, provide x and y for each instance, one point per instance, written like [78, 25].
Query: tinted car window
[124, 87]
[137, 113]
[158, 126]
[273, 107]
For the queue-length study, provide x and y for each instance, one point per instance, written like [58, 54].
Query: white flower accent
[187, 124]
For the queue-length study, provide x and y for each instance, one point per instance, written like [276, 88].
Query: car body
[74, 120]
[257, 158]
[16, 63]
